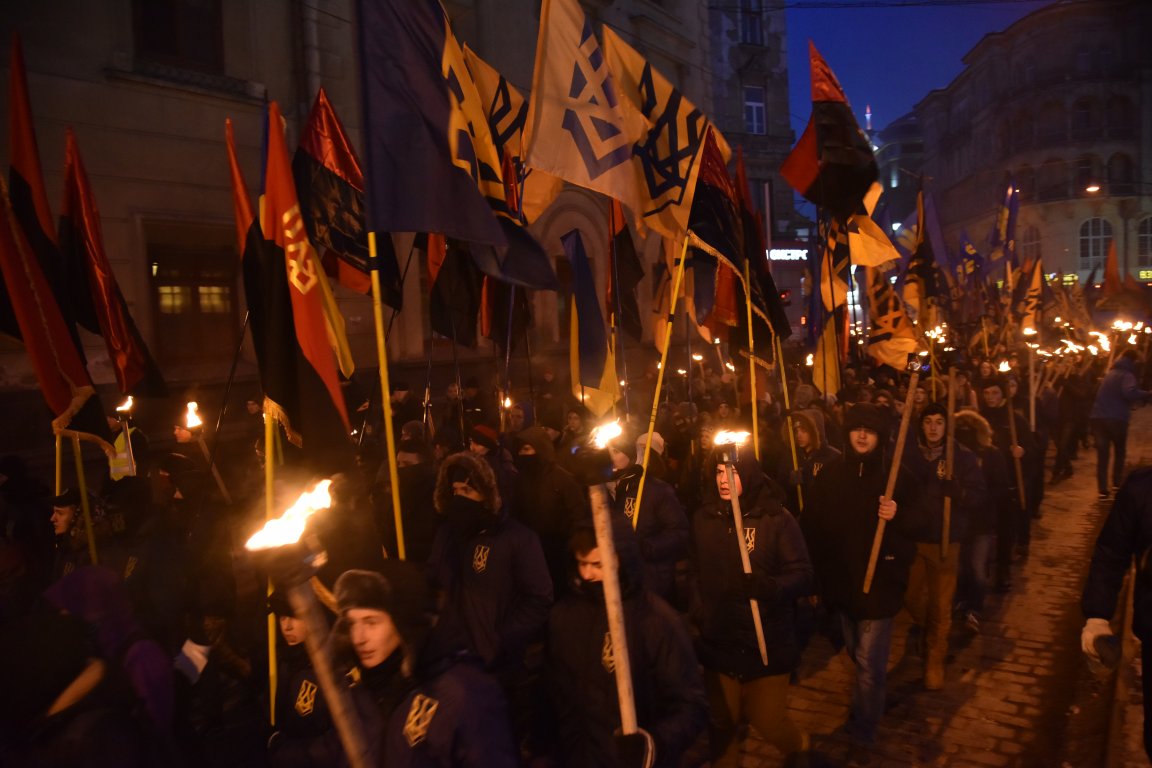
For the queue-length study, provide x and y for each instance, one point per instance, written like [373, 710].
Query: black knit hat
[866, 416]
[68, 498]
[398, 589]
[934, 409]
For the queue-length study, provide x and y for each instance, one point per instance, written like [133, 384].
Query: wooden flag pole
[269, 513]
[1015, 459]
[385, 399]
[84, 506]
[59, 463]
[949, 459]
[752, 363]
[893, 472]
[660, 375]
[788, 419]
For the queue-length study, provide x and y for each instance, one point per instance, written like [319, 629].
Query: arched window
[1030, 243]
[1095, 237]
[1052, 181]
[1023, 132]
[1121, 175]
[1144, 242]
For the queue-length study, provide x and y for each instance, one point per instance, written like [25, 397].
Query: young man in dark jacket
[813, 453]
[839, 524]
[669, 693]
[932, 581]
[741, 688]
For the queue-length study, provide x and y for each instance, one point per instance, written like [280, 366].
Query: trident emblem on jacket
[607, 658]
[480, 558]
[419, 718]
[306, 698]
[750, 539]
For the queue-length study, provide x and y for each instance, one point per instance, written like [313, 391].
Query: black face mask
[593, 590]
[467, 516]
[529, 464]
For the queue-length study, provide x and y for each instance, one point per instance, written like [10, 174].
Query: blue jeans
[975, 563]
[868, 643]
[1109, 433]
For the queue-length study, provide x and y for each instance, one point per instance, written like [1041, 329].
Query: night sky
[889, 57]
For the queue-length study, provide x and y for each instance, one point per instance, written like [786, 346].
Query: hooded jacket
[1126, 535]
[926, 480]
[494, 582]
[670, 700]
[839, 524]
[974, 432]
[809, 462]
[782, 571]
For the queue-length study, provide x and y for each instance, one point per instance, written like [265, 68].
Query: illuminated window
[1095, 237]
[754, 116]
[215, 299]
[1144, 242]
[174, 299]
[752, 22]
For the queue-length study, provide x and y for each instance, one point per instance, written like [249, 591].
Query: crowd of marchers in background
[488, 644]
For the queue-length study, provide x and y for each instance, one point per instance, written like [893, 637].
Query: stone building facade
[1060, 102]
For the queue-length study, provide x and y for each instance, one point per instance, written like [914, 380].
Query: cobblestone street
[1019, 693]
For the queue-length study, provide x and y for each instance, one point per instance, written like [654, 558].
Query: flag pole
[752, 360]
[668, 327]
[615, 311]
[59, 463]
[949, 459]
[269, 513]
[385, 400]
[893, 473]
[84, 506]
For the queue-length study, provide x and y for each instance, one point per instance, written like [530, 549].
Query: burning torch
[123, 413]
[192, 423]
[728, 443]
[291, 564]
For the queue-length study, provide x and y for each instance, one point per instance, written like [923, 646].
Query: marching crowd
[134, 625]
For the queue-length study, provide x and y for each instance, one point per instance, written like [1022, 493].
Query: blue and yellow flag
[591, 356]
[431, 164]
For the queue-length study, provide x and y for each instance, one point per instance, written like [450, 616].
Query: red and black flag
[624, 273]
[56, 361]
[82, 248]
[505, 315]
[832, 164]
[330, 186]
[716, 238]
[455, 288]
[282, 274]
[766, 297]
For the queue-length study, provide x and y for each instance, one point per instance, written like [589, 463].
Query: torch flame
[126, 406]
[724, 437]
[606, 433]
[1004, 367]
[1093, 350]
[1133, 339]
[289, 527]
[808, 360]
[507, 403]
[1029, 331]
[192, 418]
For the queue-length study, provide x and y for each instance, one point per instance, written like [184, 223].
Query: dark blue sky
[889, 57]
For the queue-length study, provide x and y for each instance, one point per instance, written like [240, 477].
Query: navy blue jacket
[662, 529]
[925, 478]
[779, 559]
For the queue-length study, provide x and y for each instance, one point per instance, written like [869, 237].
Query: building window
[194, 277]
[1030, 244]
[1052, 124]
[1052, 181]
[1084, 119]
[754, 117]
[180, 33]
[752, 22]
[1121, 117]
[1083, 62]
[1144, 242]
[1026, 183]
[1095, 237]
[1087, 172]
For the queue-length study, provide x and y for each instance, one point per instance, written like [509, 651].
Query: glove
[757, 588]
[1093, 630]
[635, 750]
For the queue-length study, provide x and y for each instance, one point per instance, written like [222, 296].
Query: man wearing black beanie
[839, 523]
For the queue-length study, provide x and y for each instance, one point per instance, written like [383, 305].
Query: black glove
[758, 588]
[635, 750]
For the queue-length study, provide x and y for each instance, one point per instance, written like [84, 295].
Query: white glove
[1093, 629]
